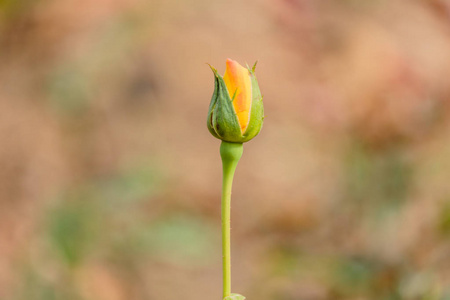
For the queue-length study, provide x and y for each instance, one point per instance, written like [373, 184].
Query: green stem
[230, 153]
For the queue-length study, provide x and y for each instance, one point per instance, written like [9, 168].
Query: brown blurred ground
[110, 182]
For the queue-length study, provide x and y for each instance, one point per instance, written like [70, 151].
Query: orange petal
[237, 79]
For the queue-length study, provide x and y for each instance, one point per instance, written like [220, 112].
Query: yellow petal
[239, 84]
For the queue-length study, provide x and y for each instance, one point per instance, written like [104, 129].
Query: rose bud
[236, 110]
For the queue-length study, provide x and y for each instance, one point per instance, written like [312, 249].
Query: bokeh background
[110, 182]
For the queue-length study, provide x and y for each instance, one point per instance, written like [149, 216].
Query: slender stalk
[230, 153]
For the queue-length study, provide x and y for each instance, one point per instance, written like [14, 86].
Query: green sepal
[257, 110]
[234, 297]
[209, 122]
[222, 119]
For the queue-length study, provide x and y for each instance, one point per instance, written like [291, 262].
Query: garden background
[110, 181]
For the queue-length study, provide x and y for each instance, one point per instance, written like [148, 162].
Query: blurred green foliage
[444, 219]
[377, 180]
[111, 222]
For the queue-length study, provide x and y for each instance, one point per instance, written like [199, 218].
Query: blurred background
[110, 182]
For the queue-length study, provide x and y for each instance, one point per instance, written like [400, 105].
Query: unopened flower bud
[236, 110]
